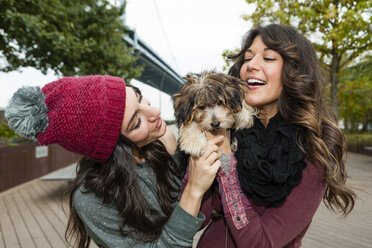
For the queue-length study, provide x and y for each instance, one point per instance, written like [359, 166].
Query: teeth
[255, 81]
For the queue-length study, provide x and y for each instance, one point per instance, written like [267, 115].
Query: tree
[339, 29]
[355, 102]
[71, 37]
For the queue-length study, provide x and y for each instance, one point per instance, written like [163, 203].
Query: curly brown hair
[301, 103]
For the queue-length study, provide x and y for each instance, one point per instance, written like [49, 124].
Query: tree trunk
[366, 121]
[346, 123]
[364, 128]
[334, 81]
[335, 62]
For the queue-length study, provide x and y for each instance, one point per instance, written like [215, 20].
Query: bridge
[156, 73]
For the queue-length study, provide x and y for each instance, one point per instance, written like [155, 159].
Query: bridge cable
[166, 38]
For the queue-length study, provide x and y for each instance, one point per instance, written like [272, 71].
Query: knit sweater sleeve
[275, 227]
[101, 222]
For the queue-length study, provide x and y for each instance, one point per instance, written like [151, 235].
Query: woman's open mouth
[255, 83]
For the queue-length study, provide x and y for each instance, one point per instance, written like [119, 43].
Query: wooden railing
[19, 164]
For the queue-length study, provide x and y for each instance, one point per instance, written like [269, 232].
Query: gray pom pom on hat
[27, 113]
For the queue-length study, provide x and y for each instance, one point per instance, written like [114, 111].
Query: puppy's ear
[234, 90]
[245, 118]
[182, 108]
[184, 100]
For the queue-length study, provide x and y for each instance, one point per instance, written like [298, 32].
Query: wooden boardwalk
[31, 214]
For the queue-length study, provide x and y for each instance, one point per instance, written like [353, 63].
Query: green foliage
[71, 37]
[228, 62]
[9, 138]
[358, 139]
[355, 102]
[340, 30]
[6, 131]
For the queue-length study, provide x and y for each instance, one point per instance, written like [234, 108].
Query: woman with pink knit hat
[126, 192]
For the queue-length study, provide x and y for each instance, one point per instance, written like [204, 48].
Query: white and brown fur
[209, 101]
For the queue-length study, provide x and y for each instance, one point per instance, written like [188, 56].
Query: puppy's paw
[195, 146]
[192, 140]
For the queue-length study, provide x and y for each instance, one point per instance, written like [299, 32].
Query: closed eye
[138, 123]
[135, 114]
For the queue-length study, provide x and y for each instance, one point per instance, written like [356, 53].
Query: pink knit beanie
[82, 114]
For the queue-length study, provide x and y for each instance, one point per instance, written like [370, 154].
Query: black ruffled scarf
[269, 162]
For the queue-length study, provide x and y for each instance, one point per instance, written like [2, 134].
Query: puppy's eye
[201, 107]
[219, 103]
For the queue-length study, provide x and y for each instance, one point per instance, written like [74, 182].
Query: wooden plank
[9, 234]
[21, 230]
[55, 204]
[38, 209]
[56, 224]
[311, 243]
[2, 244]
[345, 229]
[333, 237]
[53, 192]
[32, 225]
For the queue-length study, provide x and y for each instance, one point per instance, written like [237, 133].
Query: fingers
[216, 139]
[210, 149]
[215, 166]
[203, 170]
[216, 133]
[212, 146]
[212, 158]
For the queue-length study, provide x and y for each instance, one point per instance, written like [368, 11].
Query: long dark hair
[115, 182]
[301, 103]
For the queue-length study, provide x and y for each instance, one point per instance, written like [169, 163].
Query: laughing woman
[126, 192]
[291, 158]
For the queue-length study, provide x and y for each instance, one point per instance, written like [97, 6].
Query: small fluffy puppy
[206, 102]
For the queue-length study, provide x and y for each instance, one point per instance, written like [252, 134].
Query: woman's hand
[202, 172]
[224, 145]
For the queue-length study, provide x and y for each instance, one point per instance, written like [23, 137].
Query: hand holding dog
[201, 174]
[224, 146]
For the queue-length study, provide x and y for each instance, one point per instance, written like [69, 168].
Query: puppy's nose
[215, 124]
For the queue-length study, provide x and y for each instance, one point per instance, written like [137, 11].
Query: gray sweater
[101, 220]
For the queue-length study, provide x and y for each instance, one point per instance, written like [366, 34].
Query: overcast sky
[189, 34]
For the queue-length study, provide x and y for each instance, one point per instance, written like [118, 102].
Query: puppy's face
[214, 117]
[209, 99]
